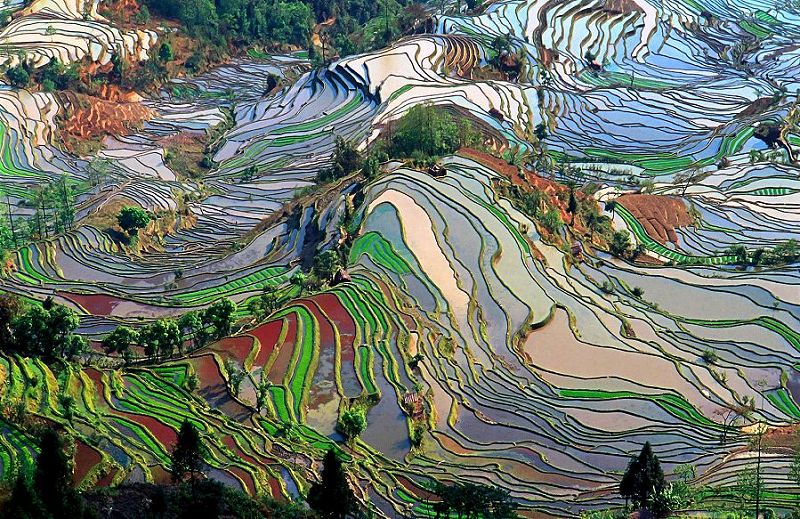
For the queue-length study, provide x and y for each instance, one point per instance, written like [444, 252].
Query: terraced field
[534, 371]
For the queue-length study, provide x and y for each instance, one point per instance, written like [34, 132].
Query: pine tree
[332, 497]
[187, 456]
[644, 479]
[52, 480]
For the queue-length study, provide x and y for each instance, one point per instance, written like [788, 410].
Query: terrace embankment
[659, 215]
[112, 112]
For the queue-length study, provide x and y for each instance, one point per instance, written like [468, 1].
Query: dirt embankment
[111, 112]
[557, 194]
[659, 215]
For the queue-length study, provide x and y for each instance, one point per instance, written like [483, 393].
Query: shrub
[710, 357]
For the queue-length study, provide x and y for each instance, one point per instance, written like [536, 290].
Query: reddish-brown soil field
[165, 435]
[281, 366]
[236, 347]
[659, 215]
[267, 335]
[85, 459]
[527, 180]
[337, 313]
[95, 117]
[95, 304]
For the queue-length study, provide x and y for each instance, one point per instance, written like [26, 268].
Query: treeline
[164, 337]
[237, 22]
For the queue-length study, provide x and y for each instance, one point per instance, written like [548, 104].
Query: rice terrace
[398, 258]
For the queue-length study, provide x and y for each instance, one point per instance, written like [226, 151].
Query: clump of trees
[352, 421]
[163, 337]
[472, 501]
[784, 253]
[46, 331]
[427, 132]
[644, 484]
[47, 491]
[52, 76]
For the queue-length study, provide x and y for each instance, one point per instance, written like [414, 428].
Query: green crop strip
[652, 245]
[380, 251]
[673, 404]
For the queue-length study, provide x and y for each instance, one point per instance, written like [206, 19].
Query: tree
[120, 341]
[299, 280]
[739, 251]
[262, 392]
[47, 332]
[326, 264]
[191, 326]
[235, 375]
[552, 221]
[266, 304]
[165, 53]
[643, 480]
[747, 488]
[220, 316]
[142, 17]
[10, 309]
[52, 479]
[332, 497]
[187, 455]
[352, 422]
[473, 501]
[160, 337]
[621, 244]
[131, 219]
[346, 159]
[427, 131]
[18, 76]
[67, 403]
[23, 503]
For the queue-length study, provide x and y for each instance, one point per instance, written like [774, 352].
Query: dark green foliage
[346, 159]
[52, 480]
[621, 244]
[187, 455]
[326, 264]
[120, 341]
[161, 337]
[23, 503]
[352, 422]
[165, 52]
[47, 333]
[131, 219]
[332, 497]
[428, 131]
[471, 501]
[11, 308]
[643, 480]
[219, 317]
[552, 221]
[192, 327]
[18, 76]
